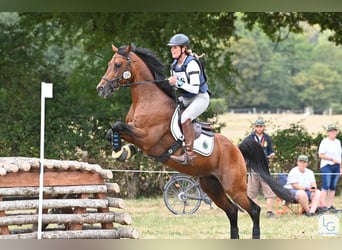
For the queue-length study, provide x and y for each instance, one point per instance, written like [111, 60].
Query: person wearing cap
[254, 182]
[302, 184]
[187, 75]
[329, 152]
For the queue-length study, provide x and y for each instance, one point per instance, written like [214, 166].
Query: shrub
[288, 144]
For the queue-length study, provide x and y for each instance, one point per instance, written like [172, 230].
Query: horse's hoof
[125, 153]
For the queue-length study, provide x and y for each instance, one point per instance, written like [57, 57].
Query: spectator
[302, 184]
[255, 182]
[330, 152]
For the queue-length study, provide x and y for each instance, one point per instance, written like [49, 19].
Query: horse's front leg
[126, 132]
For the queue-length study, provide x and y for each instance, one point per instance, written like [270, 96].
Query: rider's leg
[189, 137]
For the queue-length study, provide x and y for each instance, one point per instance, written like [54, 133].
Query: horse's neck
[147, 92]
[149, 96]
[148, 100]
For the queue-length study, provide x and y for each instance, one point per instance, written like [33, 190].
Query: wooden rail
[78, 202]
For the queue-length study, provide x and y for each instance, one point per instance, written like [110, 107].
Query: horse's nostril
[100, 88]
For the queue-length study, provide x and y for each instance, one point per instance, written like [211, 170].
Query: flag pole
[46, 92]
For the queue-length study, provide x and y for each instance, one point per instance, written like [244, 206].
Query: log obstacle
[78, 203]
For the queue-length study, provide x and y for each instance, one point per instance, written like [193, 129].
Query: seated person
[302, 184]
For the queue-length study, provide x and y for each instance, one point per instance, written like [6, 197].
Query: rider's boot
[189, 137]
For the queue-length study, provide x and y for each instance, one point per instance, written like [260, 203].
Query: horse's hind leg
[252, 209]
[213, 188]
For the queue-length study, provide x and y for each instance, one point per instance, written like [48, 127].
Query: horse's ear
[115, 49]
[128, 48]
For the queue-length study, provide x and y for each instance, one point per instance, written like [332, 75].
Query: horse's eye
[117, 65]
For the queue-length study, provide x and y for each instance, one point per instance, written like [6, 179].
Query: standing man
[255, 182]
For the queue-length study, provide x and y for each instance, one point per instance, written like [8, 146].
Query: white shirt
[331, 148]
[303, 179]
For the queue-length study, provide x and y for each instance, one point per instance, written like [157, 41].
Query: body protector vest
[180, 73]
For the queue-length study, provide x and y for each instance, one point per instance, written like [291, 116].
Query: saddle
[204, 134]
[202, 127]
[199, 126]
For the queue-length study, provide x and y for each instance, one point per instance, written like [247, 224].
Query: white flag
[47, 90]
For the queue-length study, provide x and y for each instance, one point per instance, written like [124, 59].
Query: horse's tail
[256, 162]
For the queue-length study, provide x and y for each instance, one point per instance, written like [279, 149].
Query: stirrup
[184, 159]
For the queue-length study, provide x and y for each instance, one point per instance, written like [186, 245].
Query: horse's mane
[155, 66]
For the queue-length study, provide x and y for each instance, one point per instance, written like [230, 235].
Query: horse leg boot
[189, 137]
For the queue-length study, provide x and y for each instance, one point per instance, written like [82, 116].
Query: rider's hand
[172, 80]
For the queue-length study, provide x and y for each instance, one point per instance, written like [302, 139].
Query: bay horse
[222, 174]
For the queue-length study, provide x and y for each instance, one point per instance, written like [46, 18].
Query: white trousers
[195, 106]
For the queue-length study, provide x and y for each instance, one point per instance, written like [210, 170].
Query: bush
[288, 144]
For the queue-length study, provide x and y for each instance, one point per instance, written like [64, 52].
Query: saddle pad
[203, 145]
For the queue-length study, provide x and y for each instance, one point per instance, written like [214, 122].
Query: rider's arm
[193, 71]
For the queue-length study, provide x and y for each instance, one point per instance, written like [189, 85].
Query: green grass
[154, 221]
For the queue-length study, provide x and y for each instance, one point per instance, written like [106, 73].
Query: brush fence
[77, 201]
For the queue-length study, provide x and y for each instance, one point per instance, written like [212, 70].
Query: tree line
[304, 70]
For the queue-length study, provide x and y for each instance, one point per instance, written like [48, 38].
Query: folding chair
[283, 207]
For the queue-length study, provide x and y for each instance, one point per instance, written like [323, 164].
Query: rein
[115, 83]
[129, 84]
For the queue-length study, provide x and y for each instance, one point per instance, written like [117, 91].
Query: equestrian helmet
[179, 40]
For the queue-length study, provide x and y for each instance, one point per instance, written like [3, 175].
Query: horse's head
[118, 72]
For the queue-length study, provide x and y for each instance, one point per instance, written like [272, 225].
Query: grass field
[239, 125]
[154, 221]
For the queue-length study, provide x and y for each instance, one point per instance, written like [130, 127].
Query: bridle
[115, 83]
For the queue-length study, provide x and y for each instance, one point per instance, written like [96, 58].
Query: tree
[318, 87]
[272, 23]
[19, 88]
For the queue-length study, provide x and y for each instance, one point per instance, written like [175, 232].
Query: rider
[188, 76]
